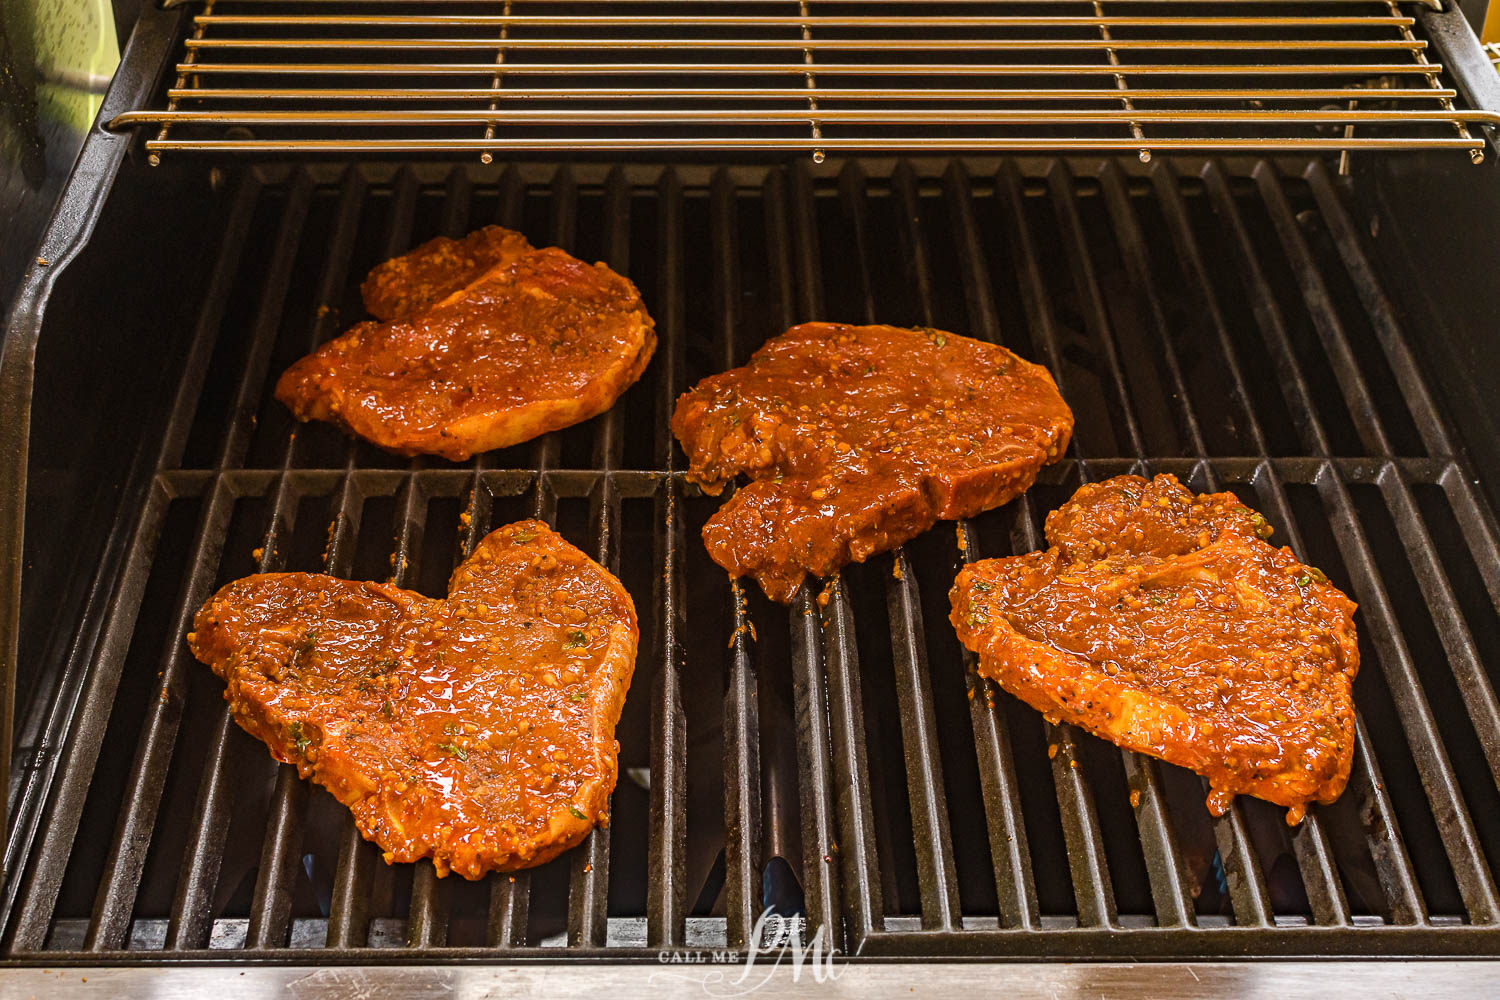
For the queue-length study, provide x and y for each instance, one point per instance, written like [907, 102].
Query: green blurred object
[76, 54]
[56, 60]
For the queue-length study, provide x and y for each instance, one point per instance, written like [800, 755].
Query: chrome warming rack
[502, 76]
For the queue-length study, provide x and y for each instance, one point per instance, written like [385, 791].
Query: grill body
[1266, 326]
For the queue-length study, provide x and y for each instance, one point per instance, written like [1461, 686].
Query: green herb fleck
[309, 641]
[383, 666]
[451, 728]
[576, 638]
[577, 812]
[1317, 574]
[976, 620]
[298, 739]
[983, 586]
[524, 535]
[575, 696]
[1157, 599]
[386, 709]
[869, 369]
[734, 420]
[1003, 369]
[452, 749]
[1304, 580]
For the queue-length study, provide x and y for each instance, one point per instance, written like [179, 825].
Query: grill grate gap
[1463, 746]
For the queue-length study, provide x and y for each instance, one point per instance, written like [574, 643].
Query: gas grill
[1295, 307]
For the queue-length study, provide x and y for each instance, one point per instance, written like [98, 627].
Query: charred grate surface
[1220, 321]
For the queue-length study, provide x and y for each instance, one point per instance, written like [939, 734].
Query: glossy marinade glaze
[484, 343]
[1163, 621]
[476, 730]
[858, 438]
[431, 271]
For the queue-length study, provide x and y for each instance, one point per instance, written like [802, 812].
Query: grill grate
[810, 75]
[1218, 321]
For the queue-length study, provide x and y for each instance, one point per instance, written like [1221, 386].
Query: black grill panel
[1219, 321]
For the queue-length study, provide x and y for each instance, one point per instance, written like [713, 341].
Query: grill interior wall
[1221, 323]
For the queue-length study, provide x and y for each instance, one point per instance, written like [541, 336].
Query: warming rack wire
[399, 76]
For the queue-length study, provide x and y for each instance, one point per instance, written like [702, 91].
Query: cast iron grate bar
[1167, 185]
[667, 864]
[590, 876]
[742, 766]
[1140, 267]
[1470, 865]
[937, 870]
[1380, 312]
[1034, 254]
[1315, 859]
[118, 886]
[1268, 315]
[789, 237]
[427, 925]
[353, 872]
[1453, 631]
[1174, 906]
[1092, 883]
[348, 902]
[1315, 854]
[852, 185]
[1015, 886]
[1460, 837]
[116, 897]
[855, 849]
[37, 896]
[1391, 861]
[1357, 397]
[589, 880]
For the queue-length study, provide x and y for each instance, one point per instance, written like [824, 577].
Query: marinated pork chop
[408, 284]
[858, 438]
[477, 730]
[468, 362]
[1162, 620]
